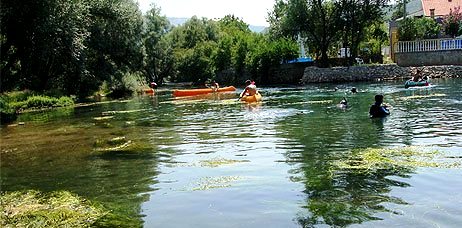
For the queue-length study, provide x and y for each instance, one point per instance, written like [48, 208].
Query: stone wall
[287, 73]
[376, 72]
[429, 58]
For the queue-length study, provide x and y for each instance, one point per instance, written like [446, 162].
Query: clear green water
[215, 162]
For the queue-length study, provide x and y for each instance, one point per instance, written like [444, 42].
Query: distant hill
[181, 20]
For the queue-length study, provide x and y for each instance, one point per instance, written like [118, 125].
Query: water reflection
[79, 154]
[339, 197]
[215, 161]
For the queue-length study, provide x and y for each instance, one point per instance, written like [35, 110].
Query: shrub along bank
[16, 102]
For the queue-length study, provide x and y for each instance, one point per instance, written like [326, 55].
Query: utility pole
[404, 9]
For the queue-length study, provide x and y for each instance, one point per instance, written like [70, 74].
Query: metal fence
[429, 45]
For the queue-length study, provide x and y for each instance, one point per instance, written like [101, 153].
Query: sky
[252, 12]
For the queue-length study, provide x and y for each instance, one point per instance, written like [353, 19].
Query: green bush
[18, 101]
[418, 28]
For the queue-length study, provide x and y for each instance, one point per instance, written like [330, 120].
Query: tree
[194, 44]
[355, 17]
[452, 23]
[158, 63]
[69, 46]
[316, 19]
[418, 28]
[115, 44]
[398, 10]
[42, 44]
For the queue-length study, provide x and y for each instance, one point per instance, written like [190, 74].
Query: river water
[156, 161]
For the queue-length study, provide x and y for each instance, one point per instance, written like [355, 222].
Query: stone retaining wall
[428, 58]
[376, 72]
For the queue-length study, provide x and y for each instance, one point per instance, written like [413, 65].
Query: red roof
[442, 7]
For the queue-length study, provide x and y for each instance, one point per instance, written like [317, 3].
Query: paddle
[241, 95]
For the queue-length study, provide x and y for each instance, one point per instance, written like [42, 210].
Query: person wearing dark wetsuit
[377, 109]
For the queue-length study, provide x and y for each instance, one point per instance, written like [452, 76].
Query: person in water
[343, 103]
[213, 85]
[153, 85]
[250, 89]
[377, 109]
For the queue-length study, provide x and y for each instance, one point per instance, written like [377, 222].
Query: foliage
[428, 28]
[266, 54]
[204, 48]
[68, 45]
[115, 44]
[325, 23]
[355, 18]
[315, 19]
[158, 61]
[418, 28]
[14, 102]
[43, 43]
[55, 209]
[398, 10]
[376, 37]
[452, 23]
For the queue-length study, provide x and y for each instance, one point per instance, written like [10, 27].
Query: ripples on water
[215, 162]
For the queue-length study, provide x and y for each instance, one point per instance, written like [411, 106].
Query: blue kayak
[410, 83]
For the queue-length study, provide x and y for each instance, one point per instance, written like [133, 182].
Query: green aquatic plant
[207, 183]
[374, 159]
[423, 96]
[55, 209]
[219, 162]
[121, 145]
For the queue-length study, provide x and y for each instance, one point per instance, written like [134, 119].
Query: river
[157, 161]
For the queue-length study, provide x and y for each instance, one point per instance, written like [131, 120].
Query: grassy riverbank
[16, 102]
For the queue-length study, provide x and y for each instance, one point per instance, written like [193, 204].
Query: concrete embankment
[376, 72]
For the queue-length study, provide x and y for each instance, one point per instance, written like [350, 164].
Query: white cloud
[253, 12]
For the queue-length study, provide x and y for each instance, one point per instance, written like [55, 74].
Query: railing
[429, 45]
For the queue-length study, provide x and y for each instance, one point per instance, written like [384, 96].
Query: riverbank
[376, 73]
[16, 102]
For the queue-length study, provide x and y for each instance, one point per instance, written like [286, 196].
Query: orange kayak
[250, 99]
[149, 91]
[193, 92]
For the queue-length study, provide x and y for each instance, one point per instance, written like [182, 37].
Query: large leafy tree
[354, 19]
[42, 44]
[115, 44]
[193, 46]
[326, 22]
[68, 46]
[418, 28]
[314, 19]
[158, 50]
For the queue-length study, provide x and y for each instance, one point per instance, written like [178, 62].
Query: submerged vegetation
[371, 160]
[56, 209]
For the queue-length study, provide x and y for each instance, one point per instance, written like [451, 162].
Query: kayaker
[250, 89]
[153, 85]
[417, 76]
[377, 109]
[213, 85]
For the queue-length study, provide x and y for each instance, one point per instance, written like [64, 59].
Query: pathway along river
[215, 162]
